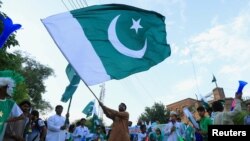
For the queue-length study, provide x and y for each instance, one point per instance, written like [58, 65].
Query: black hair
[35, 113]
[158, 129]
[82, 119]
[124, 105]
[25, 102]
[59, 106]
[143, 126]
[217, 106]
[209, 109]
[71, 128]
[201, 109]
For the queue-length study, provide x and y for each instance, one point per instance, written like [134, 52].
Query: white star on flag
[136, 25]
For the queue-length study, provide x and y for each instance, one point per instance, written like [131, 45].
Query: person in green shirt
[204, 123]
[189, 132]
[159, 136]
[9, 110]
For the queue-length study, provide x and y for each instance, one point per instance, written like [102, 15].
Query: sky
[206, 38]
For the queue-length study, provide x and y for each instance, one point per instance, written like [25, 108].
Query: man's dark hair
[59, 106]
[130, 123]
[209, 109]
[35, 113]
[124, 105]
[201, 109]
[25, 102]
[82, 119]
[217, 106]
[142, 126]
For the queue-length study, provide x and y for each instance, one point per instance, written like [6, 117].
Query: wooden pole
[67, 117]
[91, 91]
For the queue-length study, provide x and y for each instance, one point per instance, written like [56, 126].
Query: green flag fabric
[112, 41]
[95, 122]
[214, 79]
[88, 110]
[5, 110]
[74, 81]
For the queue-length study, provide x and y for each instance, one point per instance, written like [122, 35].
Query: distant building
[218, 94]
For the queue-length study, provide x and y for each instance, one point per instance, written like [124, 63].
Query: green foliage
[20, 93]
[157, 112]
[33, 72]
[239, 119]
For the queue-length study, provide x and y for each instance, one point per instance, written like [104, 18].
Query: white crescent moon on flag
[119, 46]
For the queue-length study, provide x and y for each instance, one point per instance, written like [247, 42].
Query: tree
[33, 72]
[157, 112]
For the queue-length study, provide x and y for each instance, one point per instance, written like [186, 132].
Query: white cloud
[214, 21]
[186, 85]
[229, 69]
[185, 51]
[183, 10]
[229, 42]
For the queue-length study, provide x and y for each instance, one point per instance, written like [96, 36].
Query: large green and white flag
[110, 41]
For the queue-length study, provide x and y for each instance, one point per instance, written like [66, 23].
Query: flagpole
[67, 117]
[69, 104]
[91, 91]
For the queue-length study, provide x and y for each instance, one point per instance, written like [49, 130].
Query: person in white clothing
[81, 132]
[174, 129]
[142, 135]
[56, 126]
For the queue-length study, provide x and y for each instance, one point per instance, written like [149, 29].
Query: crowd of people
[22, 123]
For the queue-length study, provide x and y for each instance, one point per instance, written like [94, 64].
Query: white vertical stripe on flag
[73, 43]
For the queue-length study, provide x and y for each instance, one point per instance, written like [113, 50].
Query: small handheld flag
[190, 117]
[204, 101]
[71, 88]
[88, 110]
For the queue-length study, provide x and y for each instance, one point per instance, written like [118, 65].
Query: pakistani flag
[5, 111]
[88, 110]
[110, 41]
[71, 88]
[95, 121]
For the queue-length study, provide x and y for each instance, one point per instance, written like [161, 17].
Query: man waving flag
[110, 41]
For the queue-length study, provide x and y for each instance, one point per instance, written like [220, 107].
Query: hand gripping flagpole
[67, 115]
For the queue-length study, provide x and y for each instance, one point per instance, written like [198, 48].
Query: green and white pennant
[110, 41]
[88, 110]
